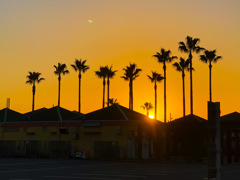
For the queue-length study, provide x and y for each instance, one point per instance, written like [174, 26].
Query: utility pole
[214, 141]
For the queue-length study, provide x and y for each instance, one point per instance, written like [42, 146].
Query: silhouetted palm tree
[130, 74]
[155, 78]
[102, 73]
[81, 68]
[190, 47]
[209, 57]
[112, 101]
[181, 66]
[110, 74]
[33, 78]
[148, 106]
[164, 57]
[60, 69]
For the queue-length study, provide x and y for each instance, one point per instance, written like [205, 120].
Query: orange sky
[35, 35]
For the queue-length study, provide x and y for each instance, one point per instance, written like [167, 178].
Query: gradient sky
[37, 34]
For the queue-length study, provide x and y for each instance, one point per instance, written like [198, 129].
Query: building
[230, 137]
[112, 132]
[187, 137]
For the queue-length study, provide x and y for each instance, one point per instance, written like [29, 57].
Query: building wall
[119, 138]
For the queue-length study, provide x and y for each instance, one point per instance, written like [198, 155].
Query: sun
[151, 116]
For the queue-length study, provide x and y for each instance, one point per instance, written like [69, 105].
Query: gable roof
[115, 112]
[231, 119]
[191, 118]
[7, 115]
[53, 114]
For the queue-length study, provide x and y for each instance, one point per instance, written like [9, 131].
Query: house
[117, 132]
[111, 132]
[187, 137]
[230, 137]
[41, 133]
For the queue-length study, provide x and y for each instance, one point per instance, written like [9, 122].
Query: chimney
[8, 103]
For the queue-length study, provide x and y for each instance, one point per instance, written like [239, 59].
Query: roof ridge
[59, 114]
[124, 115]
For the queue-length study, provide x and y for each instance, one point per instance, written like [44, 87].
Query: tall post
[214, 139]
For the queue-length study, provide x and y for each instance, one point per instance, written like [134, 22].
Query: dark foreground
[48, 169]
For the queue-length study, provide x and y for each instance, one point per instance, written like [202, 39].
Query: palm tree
[190, 47]
[164, 57]
[131, 73]
[148, 106]
[209, 57]
[102, 73]
[112, 101]
[33, 78]
[81, 68]
[60, 69]
[155, 78]
[182, 66]
[110, 74]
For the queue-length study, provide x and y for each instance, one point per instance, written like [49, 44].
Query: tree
[189, 47]
[61, 69]
[209, 57]
[164, 57]
[81, 68]
[112, 101]
[102, 73]
[148, 106]
[181, 67]
[33, 78]
[155, 78]
[130, 74]
[110, 74]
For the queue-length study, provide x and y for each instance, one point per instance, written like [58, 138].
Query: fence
[33, 149]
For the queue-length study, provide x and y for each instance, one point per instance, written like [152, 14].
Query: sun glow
[151, 116]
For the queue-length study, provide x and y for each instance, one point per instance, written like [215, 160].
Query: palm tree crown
[81, 68]
[189, 47]
[33, 78]
[102, 73]
[148, 106]
[130, 74]
[60, 69]
[182, 65]
[156, 77]
[209, 57]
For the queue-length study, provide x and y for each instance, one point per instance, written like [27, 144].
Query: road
[51, 169]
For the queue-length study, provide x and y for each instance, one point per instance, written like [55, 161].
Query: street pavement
[52, 169]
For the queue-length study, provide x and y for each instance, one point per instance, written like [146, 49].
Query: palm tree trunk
[59, 85]
[210, 81]
[183, 93]
[79, 92]
[191, 85]
[33, 91]
[155, 88]
[108, 84]
[131, 89]
[130, 95]
[104, 83]
[165, 99]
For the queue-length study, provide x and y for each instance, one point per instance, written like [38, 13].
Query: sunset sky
[37, 34]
